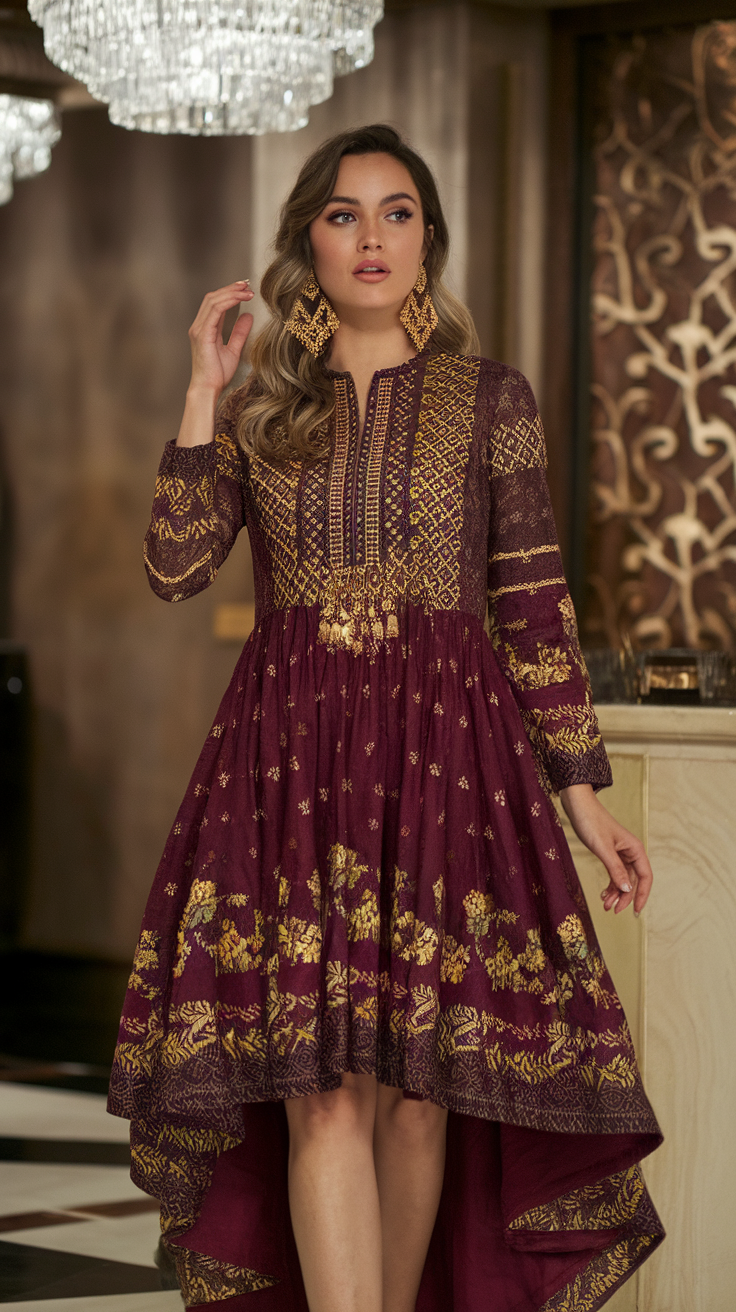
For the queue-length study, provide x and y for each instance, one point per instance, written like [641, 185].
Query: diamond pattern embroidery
[438, 476]
[517, 446]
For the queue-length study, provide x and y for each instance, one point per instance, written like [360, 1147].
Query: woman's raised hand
[214, 361]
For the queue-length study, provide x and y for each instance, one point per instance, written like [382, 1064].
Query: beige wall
[103, 261]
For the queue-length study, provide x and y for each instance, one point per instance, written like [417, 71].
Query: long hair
[290, 396]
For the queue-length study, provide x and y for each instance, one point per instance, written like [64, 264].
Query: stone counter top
[667, 724]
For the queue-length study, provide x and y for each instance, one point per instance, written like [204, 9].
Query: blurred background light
[28, 130]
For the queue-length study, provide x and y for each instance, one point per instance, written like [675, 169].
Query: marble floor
[76, 1235]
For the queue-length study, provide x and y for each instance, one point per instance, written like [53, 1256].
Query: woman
[367, 967]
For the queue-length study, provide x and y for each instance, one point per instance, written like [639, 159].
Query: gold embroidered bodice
[441, 503]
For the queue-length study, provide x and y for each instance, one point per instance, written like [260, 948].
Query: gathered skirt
[367, 875]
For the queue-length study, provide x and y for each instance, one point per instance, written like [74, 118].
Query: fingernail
[626, 888]
[637, 914]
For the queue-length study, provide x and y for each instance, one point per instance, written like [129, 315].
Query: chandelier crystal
[208, 67]
[28, 130]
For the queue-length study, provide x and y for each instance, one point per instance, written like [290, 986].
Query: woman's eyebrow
[387, 200]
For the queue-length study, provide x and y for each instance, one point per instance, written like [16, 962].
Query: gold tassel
[358, 605]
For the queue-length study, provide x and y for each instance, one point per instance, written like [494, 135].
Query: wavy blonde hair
[290, 396]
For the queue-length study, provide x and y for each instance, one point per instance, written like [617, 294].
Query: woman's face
[370, 238]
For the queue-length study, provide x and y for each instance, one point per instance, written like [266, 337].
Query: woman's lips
[368, 272]
[366, 276]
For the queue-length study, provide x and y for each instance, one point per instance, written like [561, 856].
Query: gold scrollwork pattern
[664, 343]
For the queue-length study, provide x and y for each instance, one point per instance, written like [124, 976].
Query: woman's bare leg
[334, 1196]
[409, 1151]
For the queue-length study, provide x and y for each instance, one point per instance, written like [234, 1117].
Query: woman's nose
[369, 240]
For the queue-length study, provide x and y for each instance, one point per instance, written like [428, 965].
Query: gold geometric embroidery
[396, 462]
[517, 446]
[275, 494]
[357, 606]
[373, 474]
[190, 512]
[437, 481]
[338, 475]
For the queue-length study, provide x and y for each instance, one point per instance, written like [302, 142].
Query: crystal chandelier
[28, 130]
[210, 67]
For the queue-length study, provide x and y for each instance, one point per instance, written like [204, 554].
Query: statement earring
[419, 316]
[312, 320]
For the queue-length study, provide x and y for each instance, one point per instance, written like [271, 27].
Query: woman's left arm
[535, 637]
[623, 855]
[532, 620]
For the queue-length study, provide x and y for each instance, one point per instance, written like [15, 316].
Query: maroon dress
[367, 873]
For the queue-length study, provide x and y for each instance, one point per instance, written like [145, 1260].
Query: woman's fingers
[213, 361]
[216, 304]
[621, 884]
[629, 872]
[239, 334]
[208, 324]
[643, 876]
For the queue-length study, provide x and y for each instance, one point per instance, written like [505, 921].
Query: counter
[674, 772]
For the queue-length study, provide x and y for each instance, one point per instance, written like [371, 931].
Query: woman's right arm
[198, 506]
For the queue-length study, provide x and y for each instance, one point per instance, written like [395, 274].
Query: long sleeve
[198, 511]
[533, 625]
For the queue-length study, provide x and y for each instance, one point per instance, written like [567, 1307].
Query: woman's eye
[400, 215]
[340, 216]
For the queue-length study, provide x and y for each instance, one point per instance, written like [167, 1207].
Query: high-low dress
[367, 873]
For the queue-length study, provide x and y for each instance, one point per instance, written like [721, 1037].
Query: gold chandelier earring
[419, 316]
[312, 320]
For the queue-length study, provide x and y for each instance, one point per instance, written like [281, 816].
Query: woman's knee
[347, 1110]
[416, 1120]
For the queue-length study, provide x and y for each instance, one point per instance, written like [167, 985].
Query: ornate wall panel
[662, 545]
